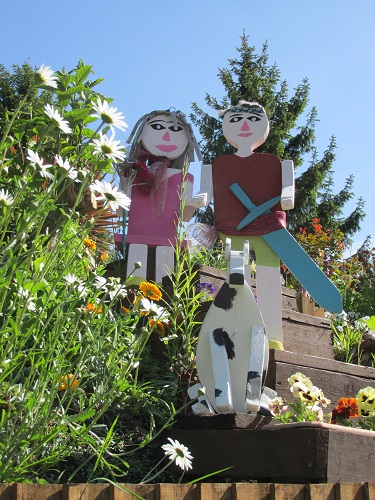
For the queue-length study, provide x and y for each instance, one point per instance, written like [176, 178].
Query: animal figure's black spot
[264, 412]
[252, 375]
[204, 403]
[217, 393]
[236, 279]
[222, 339]
[224, 299]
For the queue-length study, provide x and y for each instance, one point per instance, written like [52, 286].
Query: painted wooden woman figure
[163, 144]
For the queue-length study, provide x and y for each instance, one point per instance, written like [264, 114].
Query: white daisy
[179, 453]
[72, 173]
[109, 147]
[37, 161]
[57, 119]
[25, 294]
[5, 198]
[44, 76]
[149, 307]
[71, 279]
[109, 115]
[110, 194]
[100, 282]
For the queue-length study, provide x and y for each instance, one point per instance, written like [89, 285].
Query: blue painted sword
[300, 264]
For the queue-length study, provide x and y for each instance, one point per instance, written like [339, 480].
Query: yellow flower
[158, 327]
[366, 401]
[89, 243]
[150, 290]
[68, 382]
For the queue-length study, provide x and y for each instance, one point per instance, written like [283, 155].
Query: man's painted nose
[245, 127]
[166, 137]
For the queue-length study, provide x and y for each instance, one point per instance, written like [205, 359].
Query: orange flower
[92, 308]
[316, 225]
[158, 327]
[89, 243]
[150, 290]
[104, 256]
[125, 310]
[68, 382]
[346, 408]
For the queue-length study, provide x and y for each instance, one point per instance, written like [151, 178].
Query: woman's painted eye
[254, 118]
[157, 126]
[175, 129]
[236, 119]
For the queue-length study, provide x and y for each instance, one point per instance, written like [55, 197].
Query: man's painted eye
[236, 119]
[254, 118]
[157, 126]
[175, 129]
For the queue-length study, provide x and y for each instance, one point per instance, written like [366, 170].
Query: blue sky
[155, 55]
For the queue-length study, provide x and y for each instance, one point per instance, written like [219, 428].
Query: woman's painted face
[161, 138]
[244, 129]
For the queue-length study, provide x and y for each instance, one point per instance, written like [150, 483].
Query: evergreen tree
[251, 78]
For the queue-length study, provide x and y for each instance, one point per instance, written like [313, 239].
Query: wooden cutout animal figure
[251, 193]
[232, 350]
[163, 142]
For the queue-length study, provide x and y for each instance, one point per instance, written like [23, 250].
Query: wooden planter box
[280, 453]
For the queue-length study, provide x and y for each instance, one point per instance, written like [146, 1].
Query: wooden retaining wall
[204, 491]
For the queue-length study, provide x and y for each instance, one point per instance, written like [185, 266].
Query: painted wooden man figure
[251, 193]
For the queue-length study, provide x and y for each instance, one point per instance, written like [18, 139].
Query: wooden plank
[6, 491]
[24, 491]
[215, 491]
[370, 491]
[278, 454]
[85, 492]
[253, 491]
[322, 363]
[355, 443]
[350, 491]
[320, 492]
[124, 491]
[287, 491]
[176, 491]
[305, 334]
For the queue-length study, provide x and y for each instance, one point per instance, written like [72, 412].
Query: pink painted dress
[154, 210]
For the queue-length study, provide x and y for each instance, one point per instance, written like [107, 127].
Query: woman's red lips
[167, 148]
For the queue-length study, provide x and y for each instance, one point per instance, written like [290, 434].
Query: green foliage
[353, 276]
[72, 358]
[292, 136]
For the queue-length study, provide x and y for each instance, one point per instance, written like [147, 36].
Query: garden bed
[336, 379]
[305, 452]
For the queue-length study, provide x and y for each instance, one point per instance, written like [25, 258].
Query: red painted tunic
[259, 175]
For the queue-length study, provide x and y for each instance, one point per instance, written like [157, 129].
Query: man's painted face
[245, 129]
[161, 138]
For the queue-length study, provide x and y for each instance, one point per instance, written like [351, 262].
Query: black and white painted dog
[232, 350]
